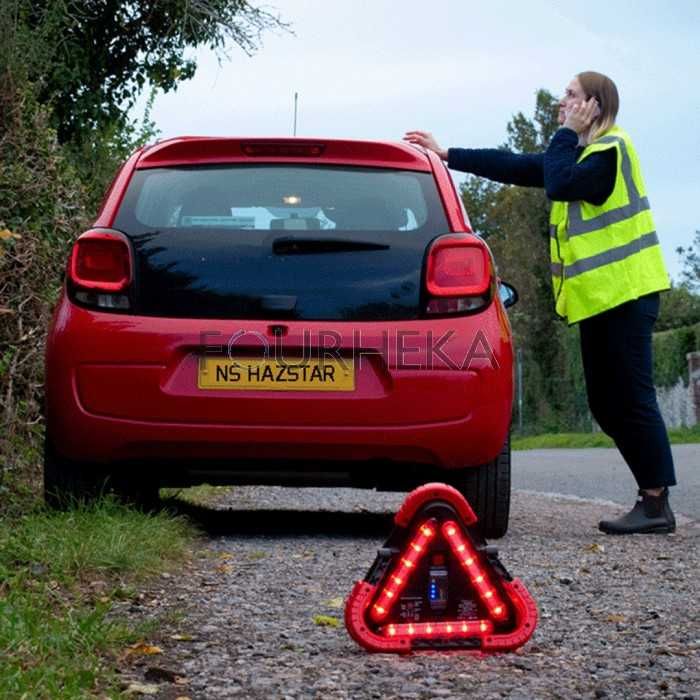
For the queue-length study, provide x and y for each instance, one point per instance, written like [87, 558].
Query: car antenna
[296, 97]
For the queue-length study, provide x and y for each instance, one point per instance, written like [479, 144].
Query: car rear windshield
[280, 241]
[281, 197]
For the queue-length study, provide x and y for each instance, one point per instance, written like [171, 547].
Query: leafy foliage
[670, 351]
[690, 258]
[480, 197]
[530, 136]
[70, 71]
[42, 205]
[679, 307]
[61, 68]
[97, 56]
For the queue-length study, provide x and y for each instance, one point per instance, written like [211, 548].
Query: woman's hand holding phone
[582, 115]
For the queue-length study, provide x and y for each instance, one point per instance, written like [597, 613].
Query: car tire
[136, 491]
[487, 488]
[67, 483]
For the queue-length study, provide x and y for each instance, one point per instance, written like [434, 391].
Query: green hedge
[670, 350]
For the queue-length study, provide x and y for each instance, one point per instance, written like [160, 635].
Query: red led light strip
[454, 629]
[469, 560]
[504, 634]
[399, 577]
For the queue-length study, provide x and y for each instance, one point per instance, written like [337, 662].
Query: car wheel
[136, 490]
[66, 482]
[487, 488]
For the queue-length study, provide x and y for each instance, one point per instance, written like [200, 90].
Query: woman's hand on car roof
[427, 140]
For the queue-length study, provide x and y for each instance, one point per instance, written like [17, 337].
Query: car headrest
[205, 201]
[367, 214]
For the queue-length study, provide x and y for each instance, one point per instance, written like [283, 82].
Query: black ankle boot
[651, 514]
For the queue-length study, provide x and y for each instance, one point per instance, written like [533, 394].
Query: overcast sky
[374, 69]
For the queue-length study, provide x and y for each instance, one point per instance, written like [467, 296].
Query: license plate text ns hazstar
[268, 374]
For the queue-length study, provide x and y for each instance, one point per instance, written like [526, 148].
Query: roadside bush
[41, 208]
[679, 307]
[556, 401]
[48, 194]
[670, 350]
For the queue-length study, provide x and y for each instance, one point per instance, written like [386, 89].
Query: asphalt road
[602, 474]
[259, 614]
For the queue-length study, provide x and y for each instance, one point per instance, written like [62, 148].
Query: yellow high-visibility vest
[603, 256]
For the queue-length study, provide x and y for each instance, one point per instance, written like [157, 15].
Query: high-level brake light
[283, 150]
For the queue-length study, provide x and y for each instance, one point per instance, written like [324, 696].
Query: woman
[607, 272]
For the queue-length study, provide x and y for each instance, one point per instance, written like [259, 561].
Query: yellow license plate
[289, 375]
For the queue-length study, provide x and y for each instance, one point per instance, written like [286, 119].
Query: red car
[281, 311]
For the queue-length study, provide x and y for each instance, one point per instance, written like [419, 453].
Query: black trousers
[617, 361]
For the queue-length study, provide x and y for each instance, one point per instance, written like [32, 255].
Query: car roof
[205, 150]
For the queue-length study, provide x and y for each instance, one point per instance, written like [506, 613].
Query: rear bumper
[448, 445]
[123, 388]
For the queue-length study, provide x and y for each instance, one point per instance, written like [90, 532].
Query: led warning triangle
[436, 584]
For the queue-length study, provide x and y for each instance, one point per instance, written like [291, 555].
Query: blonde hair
[605, 91]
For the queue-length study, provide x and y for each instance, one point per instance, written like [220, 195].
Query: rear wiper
[303, 246]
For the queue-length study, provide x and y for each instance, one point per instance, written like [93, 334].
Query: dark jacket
[564, 180]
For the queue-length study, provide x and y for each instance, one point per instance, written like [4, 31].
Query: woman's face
[572, 95]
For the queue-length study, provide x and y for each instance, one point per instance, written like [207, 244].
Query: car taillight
[100, 269]
[458, 274]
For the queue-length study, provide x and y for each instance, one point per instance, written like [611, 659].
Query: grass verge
[60, 573]
[577, 440]
[202, 495]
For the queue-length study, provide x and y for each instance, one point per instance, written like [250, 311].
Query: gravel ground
[618, 615]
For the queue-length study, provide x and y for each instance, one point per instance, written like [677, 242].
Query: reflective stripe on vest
[578, 225]
[606, 257]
